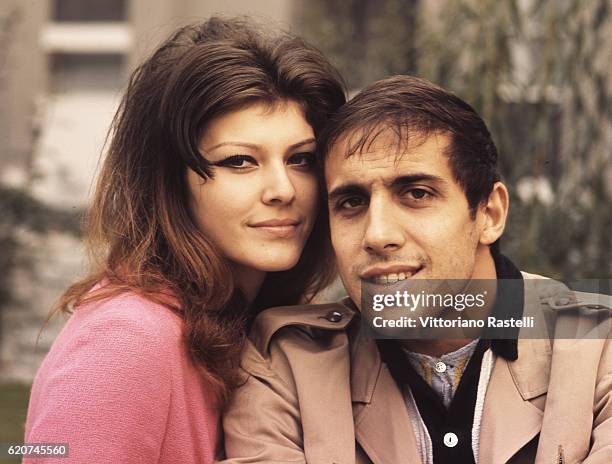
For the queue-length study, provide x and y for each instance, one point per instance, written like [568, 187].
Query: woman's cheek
[308, 191]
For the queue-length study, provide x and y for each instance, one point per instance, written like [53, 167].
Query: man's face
[395, 215]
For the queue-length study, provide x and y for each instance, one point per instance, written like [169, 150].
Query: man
[414, 193]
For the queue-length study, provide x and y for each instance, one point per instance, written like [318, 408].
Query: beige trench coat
[317, 392]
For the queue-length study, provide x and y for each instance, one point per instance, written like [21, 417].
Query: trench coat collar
[384, 430]
[509, 421]
[382, 426]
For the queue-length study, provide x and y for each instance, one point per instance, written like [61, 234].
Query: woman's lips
[280, 228]
[278, 231]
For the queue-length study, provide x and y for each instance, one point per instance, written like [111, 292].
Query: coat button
[334, 316]
[440, 367]
[450, 440]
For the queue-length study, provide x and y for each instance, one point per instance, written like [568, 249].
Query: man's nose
[278, 187]
[384, 232]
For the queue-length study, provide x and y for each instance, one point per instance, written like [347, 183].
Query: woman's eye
[306, 160]
[237, 162]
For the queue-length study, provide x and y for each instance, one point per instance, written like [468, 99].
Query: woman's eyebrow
[303, 142]
[257, 147]
[234, 144]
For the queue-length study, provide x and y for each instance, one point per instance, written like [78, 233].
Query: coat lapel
[510, 420]
[567, 422]
[332, 440]
[382, 425]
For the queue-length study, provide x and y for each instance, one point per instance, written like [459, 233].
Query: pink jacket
[118, 387]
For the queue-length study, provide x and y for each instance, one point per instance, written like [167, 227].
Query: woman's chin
[275, 263]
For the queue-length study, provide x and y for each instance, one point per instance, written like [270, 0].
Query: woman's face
[260, 207]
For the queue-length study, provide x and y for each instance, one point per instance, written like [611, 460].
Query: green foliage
[538, 72]
[366, 39]
[560, 87]
[20, 211]
[13, 409]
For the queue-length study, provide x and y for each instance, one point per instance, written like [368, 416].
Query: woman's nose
[278, 187]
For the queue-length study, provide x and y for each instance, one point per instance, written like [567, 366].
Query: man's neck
[484, 268]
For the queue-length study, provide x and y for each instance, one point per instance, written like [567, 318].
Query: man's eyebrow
[346, 189]
[256, 147]
[400, 181]
[414, 178]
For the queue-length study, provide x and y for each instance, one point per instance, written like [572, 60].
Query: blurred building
[63, 66]
[538, 71]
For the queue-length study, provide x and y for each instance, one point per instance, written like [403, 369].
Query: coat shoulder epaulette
[559, 298]
[583, 302]
[312, 318]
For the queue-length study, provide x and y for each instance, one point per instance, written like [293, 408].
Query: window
[89, 10]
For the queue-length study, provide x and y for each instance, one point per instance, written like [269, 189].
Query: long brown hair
[140, 233]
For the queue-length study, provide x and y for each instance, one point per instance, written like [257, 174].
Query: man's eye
[306, 160]
[417, 194]
[351, 203]
[237, 162]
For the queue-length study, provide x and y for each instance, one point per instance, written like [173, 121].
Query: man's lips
[390, 273]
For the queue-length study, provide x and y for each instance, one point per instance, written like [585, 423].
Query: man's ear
[495, 213]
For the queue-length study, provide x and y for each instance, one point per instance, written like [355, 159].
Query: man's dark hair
[414, 108]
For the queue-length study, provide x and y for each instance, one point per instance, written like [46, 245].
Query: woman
[206, 210]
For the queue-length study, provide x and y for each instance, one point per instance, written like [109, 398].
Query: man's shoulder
[312, 320]
[562, 312]
[558, 297]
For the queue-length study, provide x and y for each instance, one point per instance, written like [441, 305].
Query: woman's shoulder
[122, 326]
[127, 311]
[123, 340]
[111, 374]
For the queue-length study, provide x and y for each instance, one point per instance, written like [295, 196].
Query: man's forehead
[390, 137]
[385, 157]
